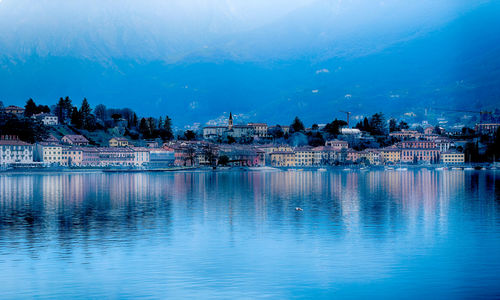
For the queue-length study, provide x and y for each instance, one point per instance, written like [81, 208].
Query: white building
[141, 156]
[12, 150]
[47, 119]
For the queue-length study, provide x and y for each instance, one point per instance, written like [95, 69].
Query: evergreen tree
[76, 119]
[160, 123]
[134, 120]
[403, 125]
[366, 125]
[30, 108]
[377, 124]
[100, 112]
[144, 128]
[393, 125]
[85, 114]
[297, 125]
[167, 126]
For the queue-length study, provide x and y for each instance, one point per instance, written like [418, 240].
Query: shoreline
[20, 170]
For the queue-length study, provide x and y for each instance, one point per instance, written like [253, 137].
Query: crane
[348, 113]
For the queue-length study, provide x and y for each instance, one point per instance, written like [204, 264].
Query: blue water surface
[371, 234]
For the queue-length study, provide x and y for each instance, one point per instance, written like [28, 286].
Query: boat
[347, 169]
[469, 169]
[401, 169]
[456, 168]
[321, 170]
[388, 168]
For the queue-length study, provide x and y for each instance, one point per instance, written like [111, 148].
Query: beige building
[452, 158]
[304, 157]
[72, 157]
[283, 159]
[118, 142]
[390, 155]
[51, 154]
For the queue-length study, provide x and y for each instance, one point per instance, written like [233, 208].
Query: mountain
[312, 60]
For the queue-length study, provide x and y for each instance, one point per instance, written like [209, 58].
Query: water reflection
[355, 225]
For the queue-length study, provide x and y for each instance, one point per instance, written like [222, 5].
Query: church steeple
[230, 121]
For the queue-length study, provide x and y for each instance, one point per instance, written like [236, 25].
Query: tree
[403, 125]
[167, 126]
[30, 108]
[334, 127]
[437, 130]
[276, 132]
[134, 120]
[144, 128]
[63, 109]
[378, 124]
[85, 114]
[297, 125]
[223, 160]
[189, 135]
[100, 112]
[315, 127]
[393, 125]
[76, 119]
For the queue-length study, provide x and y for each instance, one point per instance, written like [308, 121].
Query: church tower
[230, 121]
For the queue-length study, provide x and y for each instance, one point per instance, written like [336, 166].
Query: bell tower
[230, 121]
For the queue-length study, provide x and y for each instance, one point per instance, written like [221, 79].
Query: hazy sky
[159, 29]
[266, 59]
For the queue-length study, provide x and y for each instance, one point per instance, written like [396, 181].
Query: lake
[372, 234]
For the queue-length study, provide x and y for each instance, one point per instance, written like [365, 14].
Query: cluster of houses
[74, 150]
[47, 119]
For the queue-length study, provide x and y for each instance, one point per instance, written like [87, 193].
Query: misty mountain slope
[456, 64]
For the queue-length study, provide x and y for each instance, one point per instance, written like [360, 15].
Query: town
[64, 136]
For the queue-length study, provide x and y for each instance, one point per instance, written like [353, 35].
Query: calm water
[237, 235]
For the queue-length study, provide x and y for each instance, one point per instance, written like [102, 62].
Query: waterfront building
[325, 155]
[47, 119]
[304, 156]
[161, 158]
[50, 154]
[444, 144]
[142, 156]
[374, 156]
[390, 155]
[452, 158]
[75, 140]
[114, 156]
[419, 155]
[73, 156]
[352, 155]
[15, 151]
[242, 155]
[283, 159]
[118, 142]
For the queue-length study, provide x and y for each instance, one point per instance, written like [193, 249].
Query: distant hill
[267, 73]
